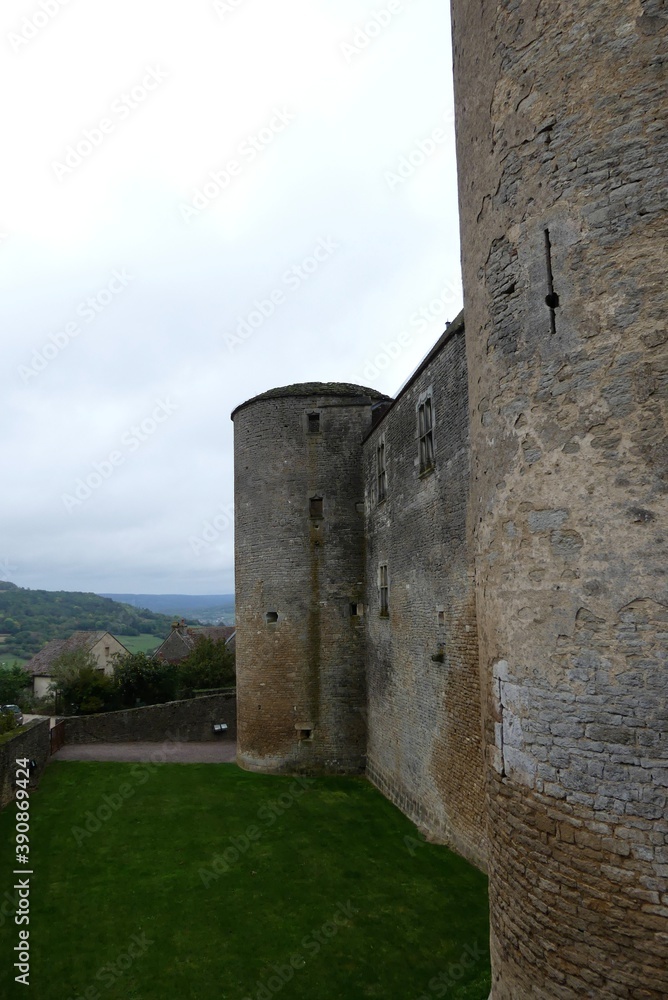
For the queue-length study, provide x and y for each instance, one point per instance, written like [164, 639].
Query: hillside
[31, 618]
[211, 609]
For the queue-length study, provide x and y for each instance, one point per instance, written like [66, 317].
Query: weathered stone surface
[424, 738]
[190, 720]
[562, 155]
[33, 743]
[300, 677]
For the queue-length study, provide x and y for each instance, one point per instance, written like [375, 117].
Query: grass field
[9, 661]
[201, 881]
[140, 643]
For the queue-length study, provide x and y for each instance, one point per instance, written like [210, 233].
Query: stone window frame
[381, 470]
[316, 505]
[426, 422]
[309, 416]
[383, 590]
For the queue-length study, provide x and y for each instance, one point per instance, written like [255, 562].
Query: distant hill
[211, 609]
[31, 618]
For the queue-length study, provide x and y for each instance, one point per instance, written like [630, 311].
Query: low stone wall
[189, 721]
[32, 742]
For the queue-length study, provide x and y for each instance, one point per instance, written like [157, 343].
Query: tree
[89, 692]
[83, 687]
[14, 682]
[143, 681]
[209, 665]
[66, 667]
[7, 722]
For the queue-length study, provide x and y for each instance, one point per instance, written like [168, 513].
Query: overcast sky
[202, 201]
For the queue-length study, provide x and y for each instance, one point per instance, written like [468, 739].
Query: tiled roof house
[102, 645]
[181, 640]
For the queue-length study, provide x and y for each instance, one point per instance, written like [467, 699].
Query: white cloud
[321, 177]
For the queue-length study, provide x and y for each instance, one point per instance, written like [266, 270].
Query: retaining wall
[190, 721]
[31, 742]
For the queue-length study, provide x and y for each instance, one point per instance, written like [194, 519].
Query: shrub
[209, 665]
[82, 687]
[143, 681]
[89, 691]
[29, 704]
[15, 683]
[7, 722]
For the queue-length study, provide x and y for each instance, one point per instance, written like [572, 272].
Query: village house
[182, 639]
[103, 646]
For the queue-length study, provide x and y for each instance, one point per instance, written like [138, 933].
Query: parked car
[18, 714]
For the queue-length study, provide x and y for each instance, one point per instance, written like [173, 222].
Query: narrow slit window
[426, 435]
[316, 508]
[314, 423]
[381, 472]
[551, 299]
[384, 587]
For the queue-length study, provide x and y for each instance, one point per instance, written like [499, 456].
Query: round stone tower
[299, 522]
[562, 158]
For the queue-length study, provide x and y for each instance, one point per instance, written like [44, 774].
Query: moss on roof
[306, 389]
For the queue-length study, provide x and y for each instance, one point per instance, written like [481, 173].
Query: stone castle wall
[562, 155]
[189, 720]
[424, 734]
[299, 522]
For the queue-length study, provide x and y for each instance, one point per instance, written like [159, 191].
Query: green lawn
[140, 643]
[321, 891]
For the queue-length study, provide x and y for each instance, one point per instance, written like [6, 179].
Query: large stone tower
[299, 521]
[562, 150]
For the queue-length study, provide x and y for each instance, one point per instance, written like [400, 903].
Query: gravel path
[168, 752]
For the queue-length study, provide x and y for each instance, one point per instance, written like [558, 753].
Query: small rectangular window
[426, 435]
[384, 588]
[316, 507]
[314, 423]
[356, 610]
[381, 472]
[272, 616]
